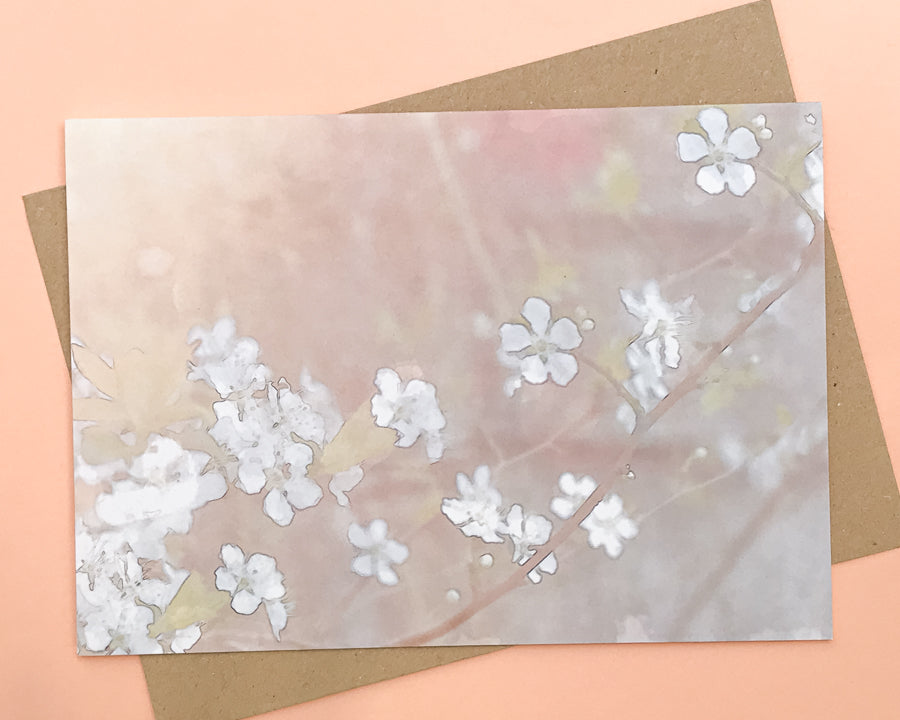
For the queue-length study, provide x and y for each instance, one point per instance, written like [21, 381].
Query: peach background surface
[94, 59]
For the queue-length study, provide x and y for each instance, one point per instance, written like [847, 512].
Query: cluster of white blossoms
[116, 601]
[270, 434]
[607, 525]
[657, 347]
[479, 512]
[411, 408]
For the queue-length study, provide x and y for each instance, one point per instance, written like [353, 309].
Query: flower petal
[277, 613]
[742, 144]
[434, 447]
[245, 602]
[378, 530]
[455, 510]
[564, 334]
[567, 483]
[185, 638]
[562, 368]
[692, 147]
[739, 177]
[672, 356]
[261, 565]
[363, 566]
[358, 537]
[232, 556]
[302, 492]
[396, 552]
[388, 383]
[613, 546]
[270, 587]
[226, 580]
[278, 508]
[614, 504]
[514, 337]
[482, 476]
[534, 370]
[715, 122]
[537, 312]
[386, 575]
[710, 180]
[627, 528]
[343, 482]
[563, 507]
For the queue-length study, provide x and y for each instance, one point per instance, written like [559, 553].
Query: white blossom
[185, 638]
[526, 532]
[722, 150]
[477, 511]
[109, 619]
[762, 131]
[815, 170]
[608, 526]
[166, 485]
[662, 321]
[378, 552]
[410, 408]
[113, 596]
[260, 430]
[548, 566]
[224, 361]
[321, 401]
[749, 300]
[574, 493]
[252, 582]
[540, 349]
[291, 489]
[626, 417]
[343, 482]
[645, 383]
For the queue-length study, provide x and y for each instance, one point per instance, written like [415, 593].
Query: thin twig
[686, 491]
[615, 384]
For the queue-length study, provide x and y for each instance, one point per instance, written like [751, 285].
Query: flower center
[543, 348]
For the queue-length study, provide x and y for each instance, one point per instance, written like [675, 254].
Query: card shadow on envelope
[733, 56]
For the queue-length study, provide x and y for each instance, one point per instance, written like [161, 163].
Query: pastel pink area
[106, 58]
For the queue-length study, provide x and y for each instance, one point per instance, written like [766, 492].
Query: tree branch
[690, 382]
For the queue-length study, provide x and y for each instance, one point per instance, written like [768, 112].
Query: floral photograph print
[449, 379]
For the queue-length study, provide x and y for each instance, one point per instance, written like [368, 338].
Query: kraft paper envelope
[730, 57]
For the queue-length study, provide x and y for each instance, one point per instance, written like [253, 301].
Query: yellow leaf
[99, 445]
[612, 359]
[194, 602]
[716, 396]
[552, 275]
[784, 416]
[722, 385]
[101, 375]
[98, 410]
[359, 439]
[619, 183]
